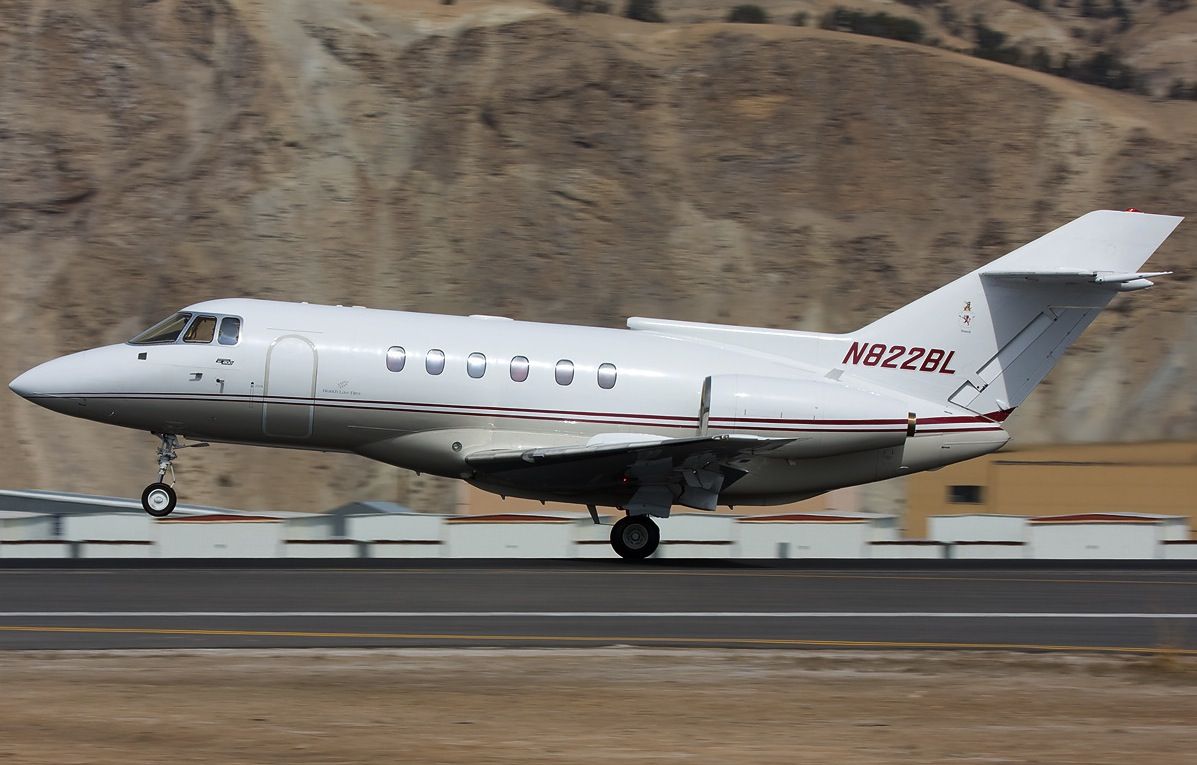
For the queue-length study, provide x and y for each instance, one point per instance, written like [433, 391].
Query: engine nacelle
[822, 416]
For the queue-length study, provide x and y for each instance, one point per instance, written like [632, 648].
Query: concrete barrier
[694, 535]
[1105, 536]
[591, 541]
[20, 526]
[811, 535]
[116, 548]
[107, 526]
[982, 550]
[36, 548]
[324, 548]
[977, 527]
[219, 536]
[398, 535]
[509, 535]
[908, 549]
[1179, 549]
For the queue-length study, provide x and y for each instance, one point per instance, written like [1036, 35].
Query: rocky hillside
[504, 158]
[1157, 39]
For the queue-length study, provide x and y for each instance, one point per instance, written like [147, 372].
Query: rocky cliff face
[502, 158]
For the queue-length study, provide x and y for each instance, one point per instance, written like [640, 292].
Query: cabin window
[202, 330]
[519, 368]
[606, 376]
[230, 330]
[564, 372]
[476, 365]
[165, 331]
[396, 358]
[434, 362]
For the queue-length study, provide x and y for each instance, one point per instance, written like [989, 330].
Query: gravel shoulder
[591, 706]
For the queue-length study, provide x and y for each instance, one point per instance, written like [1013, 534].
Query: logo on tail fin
[966, 317]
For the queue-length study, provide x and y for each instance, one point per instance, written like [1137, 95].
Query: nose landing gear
[159, 498]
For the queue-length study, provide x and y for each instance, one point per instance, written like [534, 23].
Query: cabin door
[289, 388]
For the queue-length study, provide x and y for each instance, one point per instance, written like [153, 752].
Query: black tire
[635, 537]
[158, 500]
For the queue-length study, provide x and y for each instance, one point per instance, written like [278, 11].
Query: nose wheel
[635, 537]
[159, 498]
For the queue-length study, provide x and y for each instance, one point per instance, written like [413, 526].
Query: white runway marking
[603, 614]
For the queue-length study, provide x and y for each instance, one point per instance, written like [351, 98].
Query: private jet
[659, 415]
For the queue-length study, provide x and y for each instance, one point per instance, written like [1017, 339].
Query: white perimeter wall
[219, 539]
[1107, 541]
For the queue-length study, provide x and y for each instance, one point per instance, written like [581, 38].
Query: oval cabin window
[396, 358]
[606, 376]
[519, 368]
[476, 365]
[564, 372]
[434, 362]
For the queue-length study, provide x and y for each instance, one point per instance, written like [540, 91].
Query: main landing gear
[635, 536]
[159, 498]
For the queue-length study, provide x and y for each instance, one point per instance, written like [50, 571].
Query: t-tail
[984, 341]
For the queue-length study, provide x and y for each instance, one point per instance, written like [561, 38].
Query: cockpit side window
[202, 330]
[165, 331]
[230, 330]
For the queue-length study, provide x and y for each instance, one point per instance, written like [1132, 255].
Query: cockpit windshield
[165, 331]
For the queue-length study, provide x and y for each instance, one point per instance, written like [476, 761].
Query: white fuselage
[317, 377]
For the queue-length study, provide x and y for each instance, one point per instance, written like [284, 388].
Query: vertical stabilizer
[986, 340]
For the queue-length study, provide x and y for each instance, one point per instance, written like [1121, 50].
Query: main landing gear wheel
[158, 500]
[635, 536]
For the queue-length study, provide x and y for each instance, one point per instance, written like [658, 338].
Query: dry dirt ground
[607, 705]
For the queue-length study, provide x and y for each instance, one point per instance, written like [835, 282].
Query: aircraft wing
[659, 472]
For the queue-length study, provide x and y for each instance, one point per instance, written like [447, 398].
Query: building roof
[221, 518]
[836, 517]
[1105, 518]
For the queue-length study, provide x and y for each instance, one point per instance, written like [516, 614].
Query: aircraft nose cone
[23, 385]
[48, 379]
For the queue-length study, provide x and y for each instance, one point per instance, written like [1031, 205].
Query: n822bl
[913, 358]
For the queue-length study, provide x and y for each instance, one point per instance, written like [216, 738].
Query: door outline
[266, 388]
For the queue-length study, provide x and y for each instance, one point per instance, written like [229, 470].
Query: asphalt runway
[600, 603]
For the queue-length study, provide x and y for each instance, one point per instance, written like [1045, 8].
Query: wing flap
[725, 445]
[645, 475]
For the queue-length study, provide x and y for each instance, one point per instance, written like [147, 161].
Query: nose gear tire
[158, 500]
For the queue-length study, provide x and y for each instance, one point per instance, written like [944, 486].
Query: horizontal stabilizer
[1122, 282]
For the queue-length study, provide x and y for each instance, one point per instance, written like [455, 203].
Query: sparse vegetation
[1040, 61]
[991, 44]
[581, 6]
[800, 18]
[748, 14]
[1172, 6]
[1107, 69]
[878, 24]
[643, 10]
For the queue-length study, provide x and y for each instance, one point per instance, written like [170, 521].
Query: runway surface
[556, 603]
